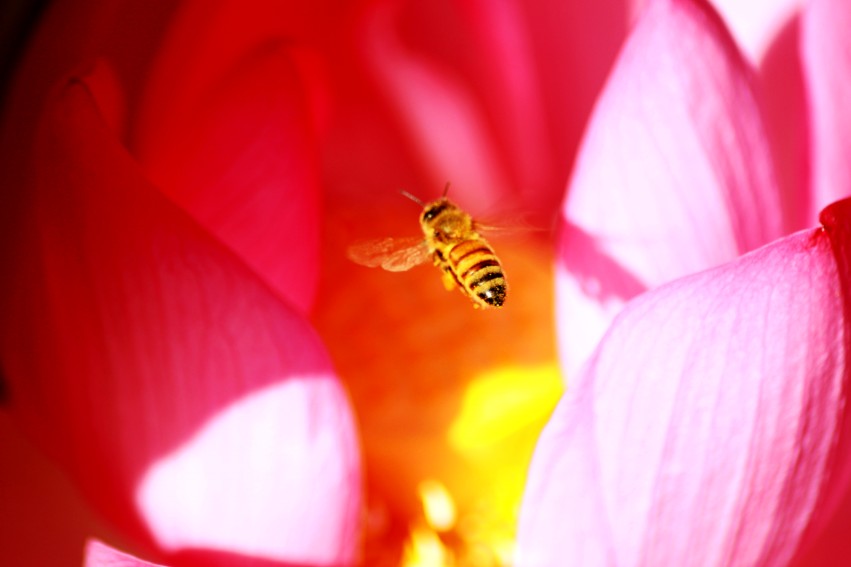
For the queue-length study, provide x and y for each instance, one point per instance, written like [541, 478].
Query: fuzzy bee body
[467, 260]
[454, 245]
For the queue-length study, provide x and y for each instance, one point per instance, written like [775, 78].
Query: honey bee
[452, 241]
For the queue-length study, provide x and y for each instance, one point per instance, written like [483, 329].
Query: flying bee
[452, 241]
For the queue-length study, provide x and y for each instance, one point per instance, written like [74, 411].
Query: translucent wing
[392, 254]
[516, 225]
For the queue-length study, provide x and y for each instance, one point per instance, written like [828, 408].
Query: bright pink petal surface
[224, 130]
[707, 428]
[826, 52]
[99, 554]
[185, 398]
[674, 175]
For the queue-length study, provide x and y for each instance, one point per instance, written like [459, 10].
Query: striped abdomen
[478, 272]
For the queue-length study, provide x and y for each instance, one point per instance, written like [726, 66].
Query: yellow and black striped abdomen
[478, 272]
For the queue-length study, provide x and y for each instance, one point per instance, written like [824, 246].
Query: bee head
[444, 221]
[433, 210]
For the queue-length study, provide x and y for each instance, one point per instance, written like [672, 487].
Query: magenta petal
[674, 175]
[785, 110]
[437, 111]
[99, 554]
[224, 129]
[826, 47]
[183, 395]
[707, 428]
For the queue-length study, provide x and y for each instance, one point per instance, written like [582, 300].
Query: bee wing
[392, 254]
[508, 227]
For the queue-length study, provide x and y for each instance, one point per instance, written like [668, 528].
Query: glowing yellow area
[424, 549]
[438, 505]
[504, 402]
[501, 416]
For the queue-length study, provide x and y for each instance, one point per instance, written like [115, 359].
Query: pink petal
[506, 82]
[826, 49]
[709, 426]
[574, 45]
[493, 97]
[224, 130]
[755, 24]
[131, 334]
[99, 554]
[674, 175]
[438, 113]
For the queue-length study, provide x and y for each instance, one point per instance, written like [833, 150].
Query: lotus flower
[195, 374]
[707, 352]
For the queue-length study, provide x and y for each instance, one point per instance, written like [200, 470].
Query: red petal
[784, 100]
[131, 333]
[43, 519]
[493, 97]
[224, 129]
[438, 112]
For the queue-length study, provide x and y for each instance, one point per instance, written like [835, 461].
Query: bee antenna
[446, 189]
[412, 198]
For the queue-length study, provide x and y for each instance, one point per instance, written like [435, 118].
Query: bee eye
[432, 212]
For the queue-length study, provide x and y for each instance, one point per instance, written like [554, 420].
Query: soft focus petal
[497, 100]
[447, 128]
[224, 130]
[502, 47]
[674, 175]
[826, 47]
[756, 23]
[708, 427]
[99, 554]
[72, 33]
[43, 519]
[575, 45]
[135, 342]
[784, 103]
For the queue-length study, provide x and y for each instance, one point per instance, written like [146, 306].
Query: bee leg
[449, 280]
